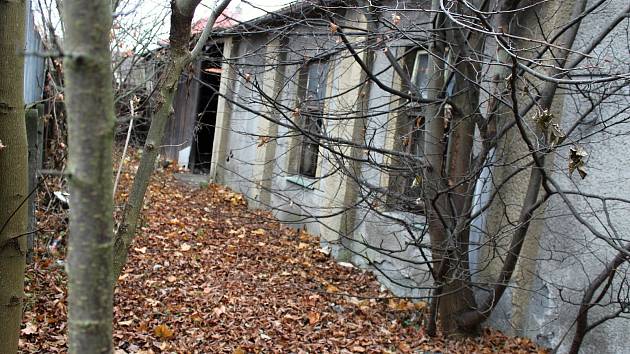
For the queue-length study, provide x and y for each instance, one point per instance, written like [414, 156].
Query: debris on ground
[206, 274]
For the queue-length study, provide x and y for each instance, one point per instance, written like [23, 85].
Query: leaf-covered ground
[208, 275]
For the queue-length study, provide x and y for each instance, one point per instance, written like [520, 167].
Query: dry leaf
[162, 331]
[264, 140]
[421, 305]
[331, 288]
[258, 232]
[396, 19]
[29, 329]
[185, 247]
[313, 318]
[404, 347]
[576, 160]
[218, 311]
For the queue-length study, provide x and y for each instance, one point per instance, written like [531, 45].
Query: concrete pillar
[350, 96]
[272, 81]
[224, 109]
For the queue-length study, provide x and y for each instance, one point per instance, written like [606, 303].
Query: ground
[206, 274]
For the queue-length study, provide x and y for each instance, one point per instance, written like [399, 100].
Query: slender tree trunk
[180, 57]
[13, 173]
[433, 173]
[448, 182]
[91, 131]
[132, 211]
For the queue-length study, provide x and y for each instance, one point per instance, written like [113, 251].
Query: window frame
[403, 187]
[309, 118]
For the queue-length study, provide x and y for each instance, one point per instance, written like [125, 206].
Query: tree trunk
[448, 192]
[13, 173]
[131, 215]
[32, 122]
[90, 107]
[180, 57]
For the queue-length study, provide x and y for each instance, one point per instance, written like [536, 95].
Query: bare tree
[130, 43]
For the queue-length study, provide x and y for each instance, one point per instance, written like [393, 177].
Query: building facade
[328, 140]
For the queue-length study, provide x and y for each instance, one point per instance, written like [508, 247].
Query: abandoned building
[250, 114]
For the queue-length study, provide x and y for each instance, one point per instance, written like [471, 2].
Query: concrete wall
[395, 244]
[570, 254]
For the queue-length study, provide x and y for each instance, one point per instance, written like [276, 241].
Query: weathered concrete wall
[394, 244]
[569, 254]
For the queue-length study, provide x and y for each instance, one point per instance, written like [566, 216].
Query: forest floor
[206, 274]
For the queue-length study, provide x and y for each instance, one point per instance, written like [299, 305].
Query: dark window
[312, 94]
[405, 183]
[419, 75]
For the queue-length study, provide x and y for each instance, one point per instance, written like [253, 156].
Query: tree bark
[90, 107]
[13, 173]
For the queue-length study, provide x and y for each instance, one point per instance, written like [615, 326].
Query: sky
[248, 7]
[148, 13]
[141, 15]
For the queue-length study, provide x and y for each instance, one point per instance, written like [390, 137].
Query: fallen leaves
[218, 311]
[29, 329]
[209, 275]
[313, 318]
[163, 332]
[142, 250]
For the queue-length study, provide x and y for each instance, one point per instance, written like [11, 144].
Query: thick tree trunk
[13, 173]
[90, 106]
